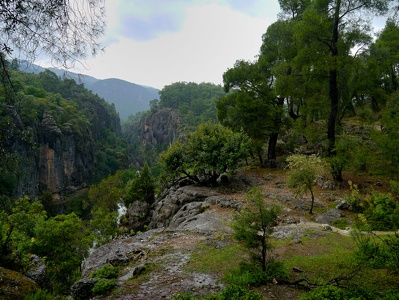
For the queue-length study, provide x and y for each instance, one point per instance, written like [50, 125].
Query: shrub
[236, 292]
[248, 275]
[106, 272]
[325, 293]
[382, 212]
[303, 172]
[40, 295]
[103, 286]
[340, 223]
[358, 203]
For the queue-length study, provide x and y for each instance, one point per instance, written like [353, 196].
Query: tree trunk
[271, 151]
[312, 204]
[264, 251]
[333, 83]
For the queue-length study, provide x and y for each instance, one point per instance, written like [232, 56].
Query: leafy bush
[41, 295]
[141, 188]
[378, 253]
[106, 272]
[382, 212]
[103, 286]
[340, 223]
[236, 292]
[325, 293]
[248, 275]
[204, 154]
[303, 172]
[357, 201]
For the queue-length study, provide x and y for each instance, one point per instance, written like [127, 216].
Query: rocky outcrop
[138, 215]
[13, 285]
[38, 273]
[53, 156]
[65, 159]
[176, 199]
[82, 289]
[160, 126]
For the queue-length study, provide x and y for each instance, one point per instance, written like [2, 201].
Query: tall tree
[252, 105]
[328, 31]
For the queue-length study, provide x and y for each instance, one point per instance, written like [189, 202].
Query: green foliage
[141, 188]
[103, 201]
[355, 199]
[328, 292]
[388, 138]
[103, 286]
[344, 149]
[254, 225]
[17, 225]
[302, 173]
[106, 272]
[236, 292]
[340, 223]
[205, 154]
[382, 212]
[251, 106]
[377, 252]
[42, 295]
[249, 275]
[64, 242]
[195, 102]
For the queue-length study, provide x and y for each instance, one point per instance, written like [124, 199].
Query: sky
[159, 42]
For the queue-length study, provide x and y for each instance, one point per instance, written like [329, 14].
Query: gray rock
[82, 289]
[119, 252]
[174, 200]
[344, 205]
[329, 216]
[38, 272]
[138, 215]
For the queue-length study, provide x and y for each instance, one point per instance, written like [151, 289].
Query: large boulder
[14, 285]
[82, 289]
[138, 215]
[173, 200]
[38, 273]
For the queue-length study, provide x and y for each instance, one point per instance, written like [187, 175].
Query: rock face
[38, 273]
[82, 289]
[63, 161]
[160, 126]
[56, 157]
[182, 219]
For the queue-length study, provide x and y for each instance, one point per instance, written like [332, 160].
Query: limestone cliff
[53, 156]
[160, 126]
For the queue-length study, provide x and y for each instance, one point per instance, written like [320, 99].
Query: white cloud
[212, 38]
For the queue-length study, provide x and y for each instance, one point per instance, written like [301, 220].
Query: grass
[208, 258]
[321, 258]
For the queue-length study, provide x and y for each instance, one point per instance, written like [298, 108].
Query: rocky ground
[159, 263]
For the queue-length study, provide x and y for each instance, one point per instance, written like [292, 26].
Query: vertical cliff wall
[59, 158]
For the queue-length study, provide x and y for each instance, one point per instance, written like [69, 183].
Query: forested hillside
[59, 137]
[128, 98]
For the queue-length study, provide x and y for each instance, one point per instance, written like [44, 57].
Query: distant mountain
[129, 98]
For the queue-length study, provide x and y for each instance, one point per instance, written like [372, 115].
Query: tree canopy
[205, 154]
[65, 30]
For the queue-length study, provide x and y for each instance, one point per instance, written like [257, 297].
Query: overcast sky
[159, 42]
